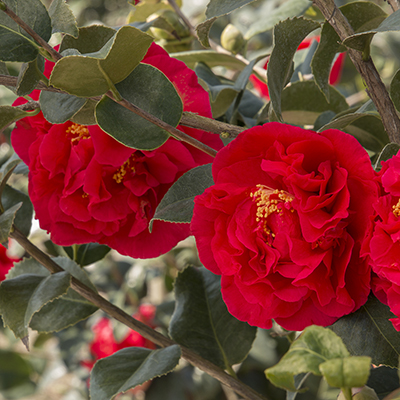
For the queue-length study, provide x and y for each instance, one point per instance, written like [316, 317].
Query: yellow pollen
[78, 132]
[267, 201]
[123, 169]
[84, 195]
[396, 209]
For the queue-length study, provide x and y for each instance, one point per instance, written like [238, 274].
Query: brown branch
[394, 4]
[375, 87]
[55, 54]
[134, 324]
[183, 17]
[188, 119]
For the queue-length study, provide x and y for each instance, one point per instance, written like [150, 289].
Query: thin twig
[183, 17]
[55, 54]
[375, 87]
[394, 4]
[134, 324]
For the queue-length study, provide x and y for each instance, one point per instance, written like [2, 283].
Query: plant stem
[375, 87]
[55, 54]
[132, 323]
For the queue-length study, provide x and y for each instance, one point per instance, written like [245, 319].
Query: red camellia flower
[6, 262]
[283, 225]
[382, 245]
[334, 77]
[87, 187]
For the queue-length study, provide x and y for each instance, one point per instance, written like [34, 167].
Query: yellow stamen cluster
[78, 132]
[396, 209]
[123, 169]
[267, 201]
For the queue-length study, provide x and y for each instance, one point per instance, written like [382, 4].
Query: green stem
[75, 248]
[231, 372]
[347, 393]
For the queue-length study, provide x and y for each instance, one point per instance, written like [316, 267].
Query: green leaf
[29, 76]
[387, 152]
[9, 114]
[215, 9]
[100, 70]
[6, 221]
[368, 332]
[23, 218]
[72, 306]
[346, 372]
[383, 380]
[58, 108]
[359, 41]
[126, 126]
[210, 331]
[287, 37]
[86, 115]
[16, 44]
[14, 370]
[129, 368]
[146, 8]
[395, 90]
[62, 18]
[358, 14]
[177, 204]
[302, 102]
[314, 346]
[267, 21]
[88, 253]
[91, 39]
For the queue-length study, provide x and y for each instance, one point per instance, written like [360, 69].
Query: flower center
[396, 209]
[127, 166]
[77, 132]
[270, 201]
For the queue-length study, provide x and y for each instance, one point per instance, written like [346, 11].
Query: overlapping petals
[87, 187]
[383, 243]
[284, 222]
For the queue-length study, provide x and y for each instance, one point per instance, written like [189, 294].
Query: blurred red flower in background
[105, 344]
[6, 262]
[334, 77]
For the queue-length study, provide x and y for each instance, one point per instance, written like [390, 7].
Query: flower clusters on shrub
[87, 187]
[284, 223]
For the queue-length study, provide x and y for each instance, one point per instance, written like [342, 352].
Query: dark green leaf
[210, 331]
[88, 253]
[302, 102]
[127, 127]
[288, 9]
[72, 306]
[383, 380]
[86, 115]
[16, 44]
[368, 332]
[359, 41]
[130, 367]
[177, 204]
[319, 351]
[100, 70]
[388, 151]
[217, 8]
[91, 39]
[6, 221]
[23, 218]
[62, 18]
[58, 108]
[9, 114]
[203, 30]
[358, 14]
[395, 90]
[287, 37]
[14, 370]
[29, 76]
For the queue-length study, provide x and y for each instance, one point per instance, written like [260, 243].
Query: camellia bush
[267, 130]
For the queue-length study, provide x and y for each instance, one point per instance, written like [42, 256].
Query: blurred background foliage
[56, 368]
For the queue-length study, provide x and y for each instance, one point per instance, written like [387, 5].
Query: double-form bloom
[283, 225]
[87, 187]
[382, 245]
